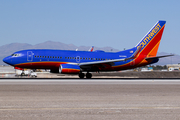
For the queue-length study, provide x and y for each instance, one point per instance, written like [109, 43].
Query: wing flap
[99, 62]
[133, 56]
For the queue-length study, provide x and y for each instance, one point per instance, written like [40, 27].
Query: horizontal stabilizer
[158, 57]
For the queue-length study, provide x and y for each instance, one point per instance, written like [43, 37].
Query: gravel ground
[89, 100]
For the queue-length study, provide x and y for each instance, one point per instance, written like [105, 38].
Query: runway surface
[89, 99]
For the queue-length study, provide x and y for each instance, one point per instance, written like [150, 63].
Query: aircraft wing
[99, 62]
[135, 54]
[158, 57]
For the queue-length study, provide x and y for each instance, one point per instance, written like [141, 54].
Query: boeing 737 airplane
[78, 62]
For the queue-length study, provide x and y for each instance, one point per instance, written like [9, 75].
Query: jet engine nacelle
[67, 69]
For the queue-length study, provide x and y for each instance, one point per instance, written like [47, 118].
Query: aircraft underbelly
[40, 65]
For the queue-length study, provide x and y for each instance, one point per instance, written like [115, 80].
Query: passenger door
[29, 56]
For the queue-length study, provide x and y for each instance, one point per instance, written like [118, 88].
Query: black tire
[22, 74]
[81, 75]
[88, 75]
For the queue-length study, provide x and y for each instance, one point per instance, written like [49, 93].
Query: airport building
[173, 67]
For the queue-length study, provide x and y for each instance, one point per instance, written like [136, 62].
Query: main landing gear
[88, 75]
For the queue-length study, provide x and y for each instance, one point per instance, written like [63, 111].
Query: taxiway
[89, 99]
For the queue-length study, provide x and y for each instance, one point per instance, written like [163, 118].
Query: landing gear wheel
[81, 75]
[88, 75]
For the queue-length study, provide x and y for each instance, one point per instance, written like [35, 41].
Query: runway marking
[89, 82]
[120, 108]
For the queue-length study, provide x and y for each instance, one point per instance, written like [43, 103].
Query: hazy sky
[116, 23]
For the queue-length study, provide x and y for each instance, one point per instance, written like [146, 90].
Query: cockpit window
[15, 55]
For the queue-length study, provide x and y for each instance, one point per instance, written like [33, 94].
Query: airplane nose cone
[7, 60]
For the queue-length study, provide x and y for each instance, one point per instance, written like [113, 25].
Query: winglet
[135, 54]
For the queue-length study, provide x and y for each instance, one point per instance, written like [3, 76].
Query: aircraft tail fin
[150, 42]
[91, 49]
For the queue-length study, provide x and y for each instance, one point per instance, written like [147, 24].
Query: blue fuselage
[49, 59]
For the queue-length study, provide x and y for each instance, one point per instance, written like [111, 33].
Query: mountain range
[8, 49]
